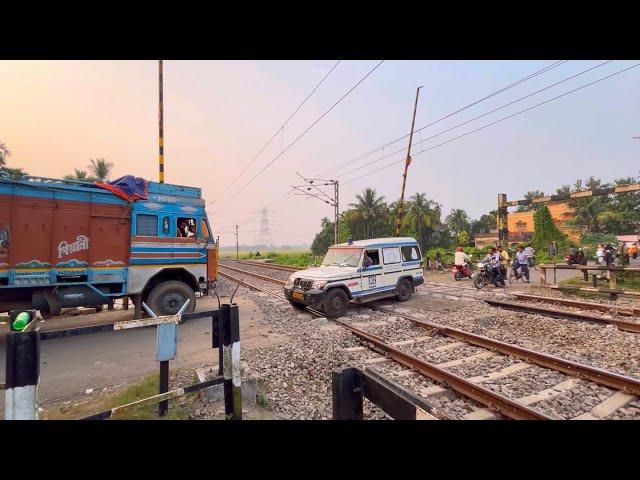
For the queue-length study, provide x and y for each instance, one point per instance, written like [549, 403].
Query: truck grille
[303, 283]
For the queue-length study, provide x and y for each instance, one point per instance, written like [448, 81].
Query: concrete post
[22, 375]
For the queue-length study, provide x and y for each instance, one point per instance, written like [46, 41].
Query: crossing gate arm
[350, 385]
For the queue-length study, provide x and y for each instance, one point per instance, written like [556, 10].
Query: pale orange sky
[56, 115]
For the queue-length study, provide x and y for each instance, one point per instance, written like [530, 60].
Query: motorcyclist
[522, 262]
[461, 259]
[492, 260]
[504, 260]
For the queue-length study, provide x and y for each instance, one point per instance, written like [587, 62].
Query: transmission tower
[264, 238]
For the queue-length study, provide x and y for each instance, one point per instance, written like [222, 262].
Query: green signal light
[21, 320]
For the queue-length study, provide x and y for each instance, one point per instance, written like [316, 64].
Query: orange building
[561, 213]
[521, 225]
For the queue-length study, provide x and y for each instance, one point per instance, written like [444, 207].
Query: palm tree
[458, 221]
[4, 153]
[78, 175]
[371, 210]
[423, 217]
[100, 169]
[16, 173]
[587, 211]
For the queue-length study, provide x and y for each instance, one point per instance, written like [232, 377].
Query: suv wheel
[404, 289]
[335, 303]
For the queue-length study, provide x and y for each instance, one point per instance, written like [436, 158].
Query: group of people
[497, 259]
[605, 254]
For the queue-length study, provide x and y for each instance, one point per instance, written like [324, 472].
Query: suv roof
[381, 242]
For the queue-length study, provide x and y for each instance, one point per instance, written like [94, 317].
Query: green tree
[458, 221]
[4, 153]
[371, 214]
[530, 196]
[464, 238]
[324, 239]
[100, 169]
[421, 218]
[485, 223]
[546, 232]
[15, 173]
[588, 210]
[78, 175]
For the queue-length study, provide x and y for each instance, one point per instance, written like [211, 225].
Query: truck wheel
[405, 289]
[167, 298]
[335, 303]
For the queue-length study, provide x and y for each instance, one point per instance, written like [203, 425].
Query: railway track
[625, 389]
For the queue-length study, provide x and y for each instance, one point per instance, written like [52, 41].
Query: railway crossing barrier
[350, 385]
[612, 271]
[23, 360]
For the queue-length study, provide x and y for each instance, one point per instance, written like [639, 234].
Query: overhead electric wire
[499, 120]
[493, 94]
[476, 118]
[283, 125]
[307, 129]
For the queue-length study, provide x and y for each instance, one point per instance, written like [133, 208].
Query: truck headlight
[319, 284]
[289, 282]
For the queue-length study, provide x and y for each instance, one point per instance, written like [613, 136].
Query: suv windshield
[345, 257]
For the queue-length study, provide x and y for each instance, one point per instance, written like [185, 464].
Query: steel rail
[598, 375]
[603, 307]
[254, 274]
[627, 326]
[269, 265]
[492, 400]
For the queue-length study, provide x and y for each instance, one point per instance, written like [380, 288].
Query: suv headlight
[289, 282]
[319, 284]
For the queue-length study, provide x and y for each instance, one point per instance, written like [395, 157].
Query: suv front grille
[303, 283]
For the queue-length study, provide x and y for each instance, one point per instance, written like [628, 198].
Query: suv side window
[374, 255]
[391, 255]
[410, 254]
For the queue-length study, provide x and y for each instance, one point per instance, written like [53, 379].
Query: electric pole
[315, 184]
[160, 125]
[237, 247]
[407, 162]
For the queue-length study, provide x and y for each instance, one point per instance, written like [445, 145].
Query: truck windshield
[345, 257]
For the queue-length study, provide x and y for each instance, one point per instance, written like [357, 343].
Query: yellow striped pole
[160, 127]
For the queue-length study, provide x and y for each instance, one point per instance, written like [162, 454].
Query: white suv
[364, 270]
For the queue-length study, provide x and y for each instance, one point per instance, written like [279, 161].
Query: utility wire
[501, 119]
[307, 129]
[281, 128]
[476, 118]
[497, 92]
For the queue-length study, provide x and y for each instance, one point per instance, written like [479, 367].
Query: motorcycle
[575, 257]
[485, 275]
[462, 271]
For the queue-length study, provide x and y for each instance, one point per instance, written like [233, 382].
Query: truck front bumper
[312, 298]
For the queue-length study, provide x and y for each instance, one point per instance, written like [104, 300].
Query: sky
[56, 115]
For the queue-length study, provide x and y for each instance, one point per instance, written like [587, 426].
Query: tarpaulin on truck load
[128, 187]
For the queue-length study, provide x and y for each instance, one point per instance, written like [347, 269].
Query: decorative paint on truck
[65, 243]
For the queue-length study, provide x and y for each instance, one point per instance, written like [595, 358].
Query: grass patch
[263, 401]
[282, 257]
[626, 281]
[146, 388]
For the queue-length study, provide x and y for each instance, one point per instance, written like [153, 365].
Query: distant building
[521, 226]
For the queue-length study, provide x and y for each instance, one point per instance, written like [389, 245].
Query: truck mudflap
[418, 281]
[312, 298]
